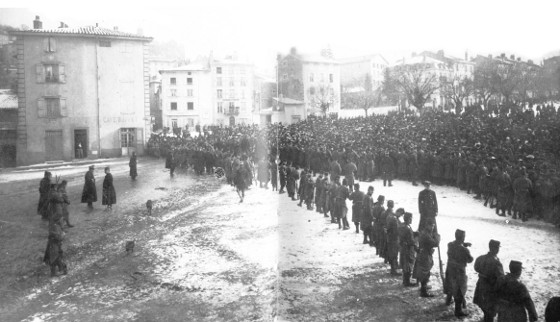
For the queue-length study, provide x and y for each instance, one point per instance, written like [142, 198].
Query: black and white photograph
[280, 161]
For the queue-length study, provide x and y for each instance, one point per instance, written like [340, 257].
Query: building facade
[355, 72]
[212, 92]
[314, 80]
[8, 127]
[83, 86]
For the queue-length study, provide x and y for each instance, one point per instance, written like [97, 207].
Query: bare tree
[416, 82]
[484, 81]
[363, 99]
[322, 97]
[457, 89]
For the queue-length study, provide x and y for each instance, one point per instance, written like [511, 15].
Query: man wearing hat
[458, 255]
[514, 298]
[424, 262]
[427, 205]
[392, 226]
[378, 225]
[408, 249]
[366, 219]
[89, 193]
[489, 269]
[357, 198]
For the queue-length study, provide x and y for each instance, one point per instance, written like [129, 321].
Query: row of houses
[96, 90]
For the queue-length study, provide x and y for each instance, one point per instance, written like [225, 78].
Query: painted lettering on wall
[120, 119]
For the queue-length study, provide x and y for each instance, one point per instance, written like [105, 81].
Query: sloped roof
[87, 31]
[8, 99]
[189, 67]
[362, 58]
[316, 59]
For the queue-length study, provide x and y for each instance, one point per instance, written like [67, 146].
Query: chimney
[116, 28]
[96, 24]
[503, 55]
[61, 25]
[518, 58]
[293, 51]
[37, 23]
[512, 57]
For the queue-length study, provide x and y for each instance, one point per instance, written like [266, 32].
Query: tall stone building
[85, 86]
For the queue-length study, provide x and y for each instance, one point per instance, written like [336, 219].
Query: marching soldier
[458, 255]
[514, 299]
[489, 269]
[427, 205]
[428, 240]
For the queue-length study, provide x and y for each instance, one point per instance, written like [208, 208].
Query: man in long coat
[428, 240]
[109, 195]
[349, 170]
[89, 193]
[392, 227]
[458, 255]
[366, 220]
[378, 225]
[408, 248]
[44, 192]
[523, 188]
[427, 205]
[489, 269]
[514, 299]
[342, 194]
[357, 198]
[133, 165]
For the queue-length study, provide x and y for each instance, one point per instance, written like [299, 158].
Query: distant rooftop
[88, 31]
[8, 99]
[189, 67]
[287, 101]
[361, 58]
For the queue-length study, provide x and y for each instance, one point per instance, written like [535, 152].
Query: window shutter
[139, 137]
[46, 44]
[61, 73]
[53, 44]
[41, 107]
[40, 71]
[63, 108]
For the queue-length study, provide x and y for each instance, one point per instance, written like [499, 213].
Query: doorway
[80, 143]
[53, 145]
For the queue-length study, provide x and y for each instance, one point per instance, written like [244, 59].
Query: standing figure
[44, 191]
[514, 299]
[242, 177]
[392, 228]
[132, 164]
[53, 254]
[170, 163]
[489, 269]
[64, 195]
[424, 262]
[283, 173]
[357, 198]
[427, 206]
[342, 194]
[308, 191]
[366, 220]
[109, 195]
[89, 193]
[263, 173]
[378, 225]
[273, 175]
[80, 151]
[387, 169]
[349, 170]
[408, 249]
[523, 187]
[458, 255]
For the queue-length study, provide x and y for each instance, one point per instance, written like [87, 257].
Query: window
[51, 73]
[220, 107]
[190, 106]
[219, 93]
[127, 137]
[173, 92]
[243, 82]
[173, 81]
[50, 45]
[174, 123]
[189, 81]
[311, 90]
[53, 107]
[173, 106]
[311, 77]
[231, 82]
[219, 81]
[218, 70]
[104, 43]
[232, 93]
[189, 73]
[331, 78]
[189, 92]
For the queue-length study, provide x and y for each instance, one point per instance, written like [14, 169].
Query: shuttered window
[50, 73]
[51, 107]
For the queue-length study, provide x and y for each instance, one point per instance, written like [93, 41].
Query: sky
[259, 30]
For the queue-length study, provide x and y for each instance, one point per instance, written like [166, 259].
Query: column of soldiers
[412, 251]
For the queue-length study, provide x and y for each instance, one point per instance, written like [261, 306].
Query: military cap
[515, 266]
[381, 197]
[459, 233]
[426, 183]
[407, 215]
[92, 166]
[494, 243]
